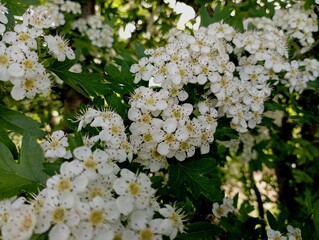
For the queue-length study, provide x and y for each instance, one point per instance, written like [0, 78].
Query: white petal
[17, 93]
[170, 125]
[139, 219]
[82, 153]
[60, 231]
[80, 183]
[125, 204]
[16, 70]
[163, 149]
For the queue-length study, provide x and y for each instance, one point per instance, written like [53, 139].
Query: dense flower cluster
[99, 33]
[19, 57]
[298, 23]
[58, 8]
[91, 198]
[296, 73]
[232, 68]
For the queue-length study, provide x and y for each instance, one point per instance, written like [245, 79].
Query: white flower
[37, 17]
[219, 210]
[4, 63]
[59, 48]
[22, 34]
[134, 191]
[85, 116]
[275, 235]
[293, 233]
[20, 221]
[60, 216]
[55, 145]
[142, 70]
[29, 86]
[173, 222]
[3, 18]
[94, 163]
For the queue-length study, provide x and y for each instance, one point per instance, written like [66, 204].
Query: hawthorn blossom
[3, 18]
[134, 191]
[55, 146]
[20, 221]
[59, 48]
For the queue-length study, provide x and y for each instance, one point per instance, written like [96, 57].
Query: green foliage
[198, 177]
[18, 122]
[25, 174]
[200, 231]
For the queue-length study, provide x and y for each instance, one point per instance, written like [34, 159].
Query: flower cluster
[298, 23]
[162, 128]
[56, 146]
[292, 234]
[58, 9]
[232, 68]
[92, 198]
[3, 18]
[299, 73]
[99, 33]
[111, 132]
[19, 57]
[296, 73]
[222, 210]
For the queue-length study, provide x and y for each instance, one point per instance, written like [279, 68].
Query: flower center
[146, 234]
[59, 215]
[95, 192]
[23, 37]
[115, 129]
[184, 146]
[28, 64]
[117, 237]
[147, 137]
[29, 84]
[27, 224]
[146, 118]
[96, 217]
[63, 185]
[177, 114]
[134, 188]
[90, 163]
[4, 60]
[169, 138]
[54, 144]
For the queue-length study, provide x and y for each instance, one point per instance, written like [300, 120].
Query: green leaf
[200, 230]
[88, 84]
[12, 184]
[205, 18]
[220, 14]
[199, 176]
[4, 138]
[308, 4]
[18, 122]
[301, 176]
[18, 7]
[316, 216]
[139, 50]
[31, 160]
[75, 140]
[67, 64]
[26, 175]
[116, 103]
[272, 220]
[51, 168]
